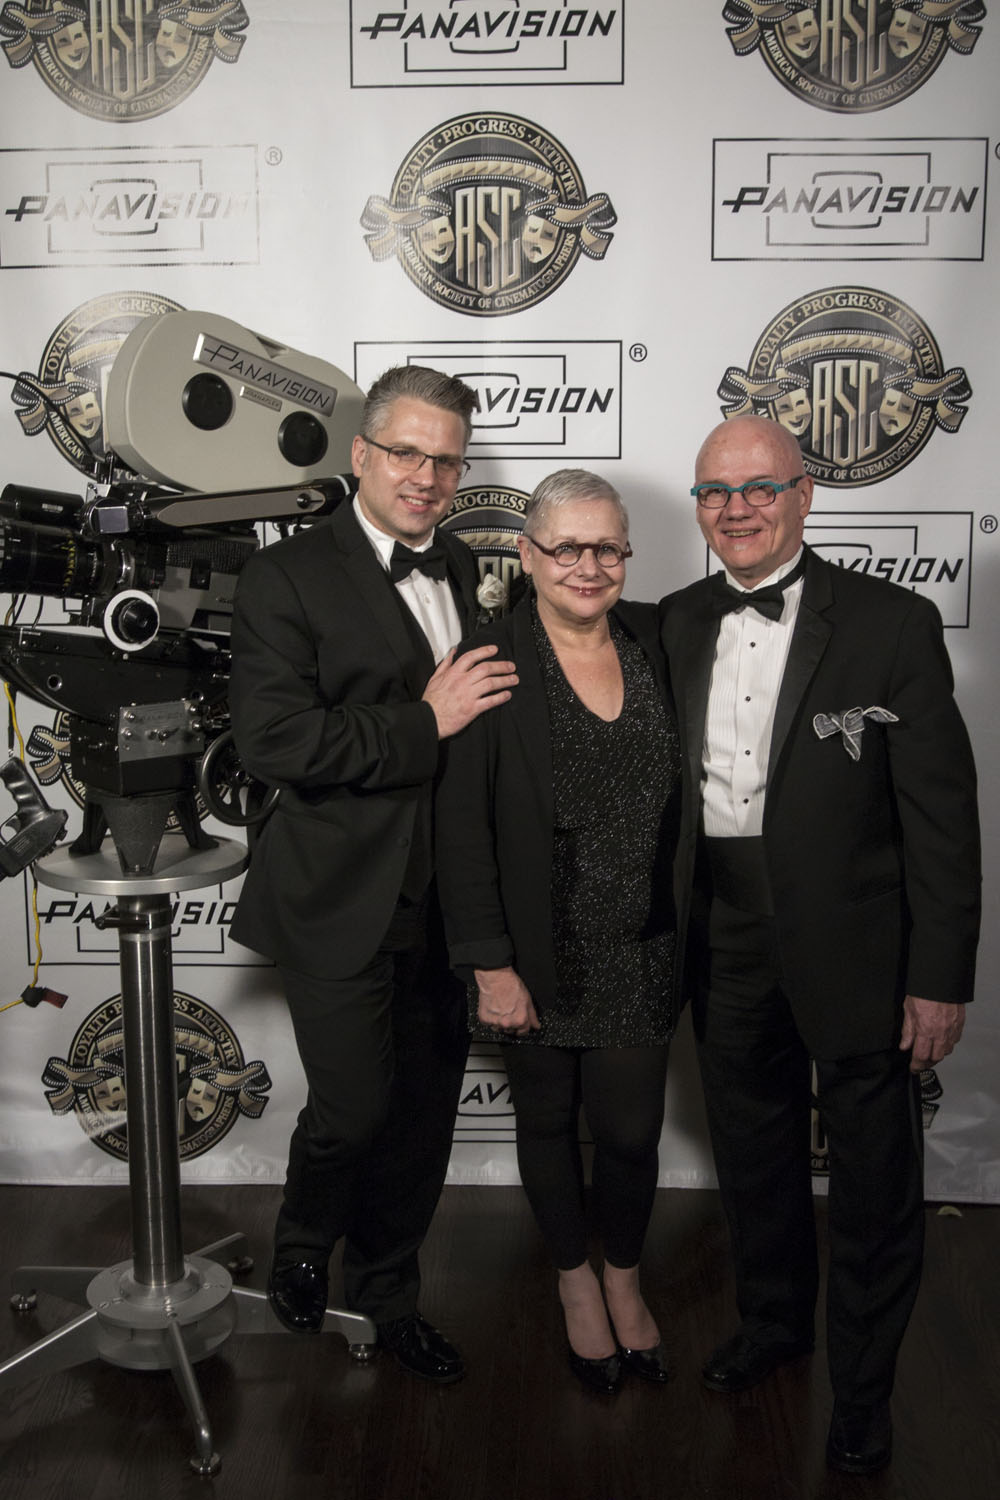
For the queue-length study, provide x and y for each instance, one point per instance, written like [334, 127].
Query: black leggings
[621, 1090]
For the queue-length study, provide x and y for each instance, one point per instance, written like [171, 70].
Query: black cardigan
[494, 823]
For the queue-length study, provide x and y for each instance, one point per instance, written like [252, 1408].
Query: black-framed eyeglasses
[757, 492]
[446, 465]
[568, 554]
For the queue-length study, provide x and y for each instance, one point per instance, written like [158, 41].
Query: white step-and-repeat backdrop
[618, 221]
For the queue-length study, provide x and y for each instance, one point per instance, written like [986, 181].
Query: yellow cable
[13, 716]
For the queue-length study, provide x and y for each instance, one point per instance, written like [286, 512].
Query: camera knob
[131, 620]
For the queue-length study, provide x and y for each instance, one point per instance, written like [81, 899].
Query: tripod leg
[73, 1344]
[206, 1460]
[230, 1252]
[254, 1315]
[70, 1282]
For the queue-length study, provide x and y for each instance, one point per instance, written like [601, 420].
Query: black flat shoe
[601, 1375]
[648, 1364]
[421, 1350]
[740, 1363]
[860, 1440]
[297, 1292]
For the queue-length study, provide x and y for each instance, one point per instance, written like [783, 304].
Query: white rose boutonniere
[491, 596]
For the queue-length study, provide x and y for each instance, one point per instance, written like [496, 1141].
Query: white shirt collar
[381, 540]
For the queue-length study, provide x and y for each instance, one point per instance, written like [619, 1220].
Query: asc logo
[489, 521]
[122, 62]
[853, 55]
[66, 398]
[856, 376]
[487, 215]
[215, 1086]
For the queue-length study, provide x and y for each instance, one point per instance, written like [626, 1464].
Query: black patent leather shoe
[741, 1363]
[601, 1375]
[860, 1440]
[297, 1291]
[648, 1364]
[421, 1349]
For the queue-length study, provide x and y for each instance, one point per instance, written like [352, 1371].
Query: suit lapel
[809, 641]
[463, 577]
[690, 664]
[528, 708]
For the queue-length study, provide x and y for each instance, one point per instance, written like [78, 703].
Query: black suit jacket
[325, 692]
[495, 817]
[874, 864]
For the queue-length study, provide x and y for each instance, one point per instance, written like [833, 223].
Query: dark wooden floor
[293, 1418]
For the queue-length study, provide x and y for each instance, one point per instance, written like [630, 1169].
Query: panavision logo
[856, 376]
[485, 1109]
[853, 55]
[122, 62]
[66, 398]
[537, 398]
[215, 1085]
[441, 42]
[195, 205]
[888, 199]
[489, 521]
[926, 550]
[487, 215]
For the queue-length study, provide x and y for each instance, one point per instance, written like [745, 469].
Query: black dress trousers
[756, 1071]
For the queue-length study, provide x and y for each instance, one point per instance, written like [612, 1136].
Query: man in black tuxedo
[344, 685]
[835, 917]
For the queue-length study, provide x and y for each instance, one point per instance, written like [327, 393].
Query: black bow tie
[769, 601]
[431, 561]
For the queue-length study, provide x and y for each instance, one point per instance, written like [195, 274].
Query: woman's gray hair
[564, 486]
[420, 383]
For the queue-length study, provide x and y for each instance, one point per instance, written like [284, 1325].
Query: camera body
[211, 431]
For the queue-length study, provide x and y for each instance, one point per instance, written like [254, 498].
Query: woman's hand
[504, 1002]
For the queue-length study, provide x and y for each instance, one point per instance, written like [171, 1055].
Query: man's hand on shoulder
[461, 690]
[932, 1028]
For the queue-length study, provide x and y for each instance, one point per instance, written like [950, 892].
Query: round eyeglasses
[446, 465]
[568, 554]
[756, 492]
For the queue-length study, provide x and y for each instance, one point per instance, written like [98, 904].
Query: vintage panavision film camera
[210, 431]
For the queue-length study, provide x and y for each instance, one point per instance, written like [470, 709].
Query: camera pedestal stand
[161, 1309]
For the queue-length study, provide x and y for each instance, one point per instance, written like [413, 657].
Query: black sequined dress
[616, 794]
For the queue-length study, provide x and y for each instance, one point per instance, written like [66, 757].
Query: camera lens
[38, 561]
[207, 402]
[302, 439]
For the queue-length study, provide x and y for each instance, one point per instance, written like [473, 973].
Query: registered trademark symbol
[989, 524]
[638, 353]
[273, 156]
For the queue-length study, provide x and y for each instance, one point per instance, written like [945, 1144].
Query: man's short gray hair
[419, 383]
[564, 486]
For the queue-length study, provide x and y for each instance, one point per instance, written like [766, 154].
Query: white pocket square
[851, 725]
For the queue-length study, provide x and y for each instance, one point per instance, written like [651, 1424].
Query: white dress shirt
[750, 657]
[429, 600]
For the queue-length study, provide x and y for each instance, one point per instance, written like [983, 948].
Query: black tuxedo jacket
[327, 675]
[874, 864]
[495, 817]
